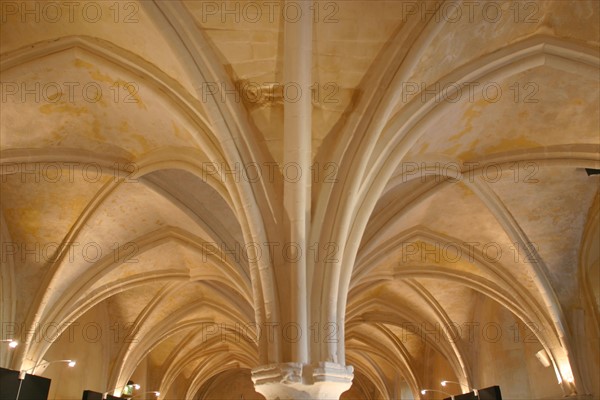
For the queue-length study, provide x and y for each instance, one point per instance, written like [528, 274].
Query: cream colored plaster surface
[172, 213]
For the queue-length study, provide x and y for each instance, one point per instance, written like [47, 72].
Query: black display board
[466, 396]
[91, 395]
[33, 387]
[490, 393]
[9, 384]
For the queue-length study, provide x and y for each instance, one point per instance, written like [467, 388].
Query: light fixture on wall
[11, 343]
[423, 391]
[543, 357]
[445, 383]
[70, 363]
[23, 373]
[127, 390]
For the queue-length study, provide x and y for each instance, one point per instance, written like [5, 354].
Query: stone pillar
[322, 381]
[294, 375]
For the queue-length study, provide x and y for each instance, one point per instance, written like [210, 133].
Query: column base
[322, 381]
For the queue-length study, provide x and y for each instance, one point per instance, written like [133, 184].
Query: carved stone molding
[323, 381]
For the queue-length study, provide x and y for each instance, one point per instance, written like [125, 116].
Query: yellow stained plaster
[96, 131]
[132, 89]
[27, 218]
[469, 115]
[465, 190]
[124, 127]
[471, 152]
[504, 145]
[441, 254]
[62, 107]
[450, 151]
[509, 144]
[178, 133]
[423, 148]
[141, 140]
[53, 97]
[35, 219]
[577, 102]
[127, 91]
[94, 73]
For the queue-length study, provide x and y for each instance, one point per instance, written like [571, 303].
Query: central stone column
[323, 381]
[299, 370]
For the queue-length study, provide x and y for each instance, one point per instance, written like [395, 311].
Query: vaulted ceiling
[448, 180]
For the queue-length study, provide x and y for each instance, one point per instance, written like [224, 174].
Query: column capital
[322, 381]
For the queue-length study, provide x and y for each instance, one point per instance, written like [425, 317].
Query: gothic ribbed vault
[199, 194]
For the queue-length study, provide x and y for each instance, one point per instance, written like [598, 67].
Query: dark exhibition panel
[32, 387]
[490, 393]
[90, 395]
[466, 396]
[9, 384]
